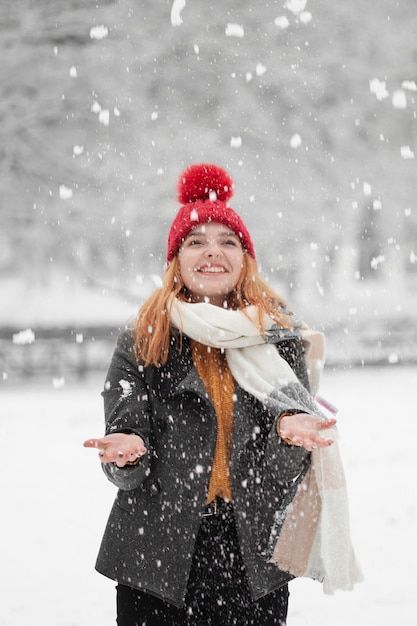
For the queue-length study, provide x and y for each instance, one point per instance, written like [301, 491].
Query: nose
[213, 249]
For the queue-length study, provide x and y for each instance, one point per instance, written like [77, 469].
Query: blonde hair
[151, 332]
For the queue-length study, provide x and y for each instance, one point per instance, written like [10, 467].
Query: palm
[119, 448]
[303, 429]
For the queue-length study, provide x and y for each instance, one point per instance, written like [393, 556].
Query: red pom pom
[197, 181]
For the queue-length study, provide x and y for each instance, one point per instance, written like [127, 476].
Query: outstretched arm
[127, 415]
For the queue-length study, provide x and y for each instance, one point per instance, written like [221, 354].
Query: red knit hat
[204, 189]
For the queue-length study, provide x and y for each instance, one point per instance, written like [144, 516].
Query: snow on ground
[56, 500]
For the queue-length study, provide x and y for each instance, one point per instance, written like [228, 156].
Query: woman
[204, 456]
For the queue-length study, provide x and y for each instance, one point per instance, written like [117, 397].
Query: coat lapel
[192, 382]
[179, 375]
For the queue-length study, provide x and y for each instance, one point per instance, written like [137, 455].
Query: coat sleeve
[127, 410]
[290, 461]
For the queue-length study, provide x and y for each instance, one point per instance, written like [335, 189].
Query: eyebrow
[224, 233]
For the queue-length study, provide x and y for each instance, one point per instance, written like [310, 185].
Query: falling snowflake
[295, 141]
[295, 6]
[177, 7]
[379, 88]
[377, 260]
[95, 107]
[234, 30]
[410, 85]
[236, 142]
[77, 150]
[99, 32]
[65, 193]
[104, 117]
[23, 337]
[127, 388]
[282, 21]
[260, 69]
[399, 99]
[305, 17]
[320, 288]
[406, 152]
[367, 189]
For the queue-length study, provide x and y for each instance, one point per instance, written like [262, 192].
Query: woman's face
[211, 261]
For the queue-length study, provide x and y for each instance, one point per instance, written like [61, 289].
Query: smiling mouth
[211, 270]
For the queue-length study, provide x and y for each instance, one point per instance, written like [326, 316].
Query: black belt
[218, 506]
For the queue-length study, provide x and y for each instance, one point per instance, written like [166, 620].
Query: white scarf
[313, 538]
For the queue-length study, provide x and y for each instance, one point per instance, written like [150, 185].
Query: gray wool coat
[150, 535]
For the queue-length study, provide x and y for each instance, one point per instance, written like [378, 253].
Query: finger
[320, 442]
[120, 456]
[96, 443]
[309, 446]
[110, 455]
[327, 423]
[311, 442]
[135, 454]
[90, 443]
[103, 456]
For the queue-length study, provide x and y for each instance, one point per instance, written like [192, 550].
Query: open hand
[303, 429]
[120, 448]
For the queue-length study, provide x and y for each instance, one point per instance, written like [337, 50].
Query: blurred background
[311, 106]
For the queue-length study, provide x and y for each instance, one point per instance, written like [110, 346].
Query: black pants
[217, 591]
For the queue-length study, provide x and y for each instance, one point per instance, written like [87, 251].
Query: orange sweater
[212, 367]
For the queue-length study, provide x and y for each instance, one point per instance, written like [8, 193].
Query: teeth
[213, 270]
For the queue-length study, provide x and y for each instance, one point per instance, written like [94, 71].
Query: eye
[195, 242]
[230, 242]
